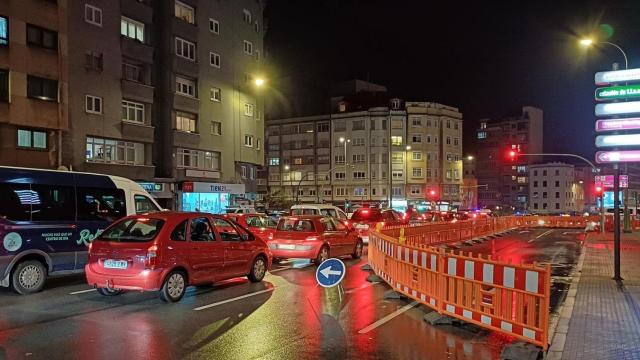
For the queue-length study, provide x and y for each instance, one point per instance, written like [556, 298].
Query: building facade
[162, 92]
[507, 180]
[397, 152]
[33, 82]
[555, 190]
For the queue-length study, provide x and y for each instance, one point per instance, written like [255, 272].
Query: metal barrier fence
[500, 296]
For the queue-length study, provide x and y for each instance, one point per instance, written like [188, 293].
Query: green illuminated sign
[618, 92]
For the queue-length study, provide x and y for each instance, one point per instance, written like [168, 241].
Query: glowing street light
[586, 42]
[286, 167]
[259, 82]
[408, 147]
[470, 158]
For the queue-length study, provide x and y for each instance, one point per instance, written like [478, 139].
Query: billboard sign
[610, 77]
[617, 92]
[606, 181]
[617, 124]
[617, 140]
[630, 107]
[606, 157]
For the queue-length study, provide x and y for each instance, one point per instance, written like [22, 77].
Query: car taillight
[311, 238]
[152, 256]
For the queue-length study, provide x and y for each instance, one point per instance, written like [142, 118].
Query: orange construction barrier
[508, 298]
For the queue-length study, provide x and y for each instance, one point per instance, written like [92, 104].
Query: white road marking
[233, 299]
[387, 318]
[541, 235]
[524, 232]
[81, 292]
[280, 269]
[363, 286]
[571, 232]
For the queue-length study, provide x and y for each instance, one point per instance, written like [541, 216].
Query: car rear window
[366, 215]
[304, 212]
[296, 225]
[133, 230]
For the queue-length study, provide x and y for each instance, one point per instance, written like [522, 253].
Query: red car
[314, 237]
[365, 218]
[259, 224]
[168, 251]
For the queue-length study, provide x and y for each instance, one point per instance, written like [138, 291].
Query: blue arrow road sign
[330, 272]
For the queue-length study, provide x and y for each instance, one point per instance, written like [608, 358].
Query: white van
[48, 218]
[319, 209]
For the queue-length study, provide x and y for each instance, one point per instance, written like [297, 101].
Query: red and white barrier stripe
[418, 258]
[509, 277]
[397, 286]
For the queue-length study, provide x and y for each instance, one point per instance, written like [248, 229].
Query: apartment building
[33, 82]
[507, 180]
[162, 92]
[393, 151]
[555, 190]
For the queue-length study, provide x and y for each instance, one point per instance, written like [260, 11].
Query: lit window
[93, 15]
[185, 12]
[216, 128]
[482, 134]
[214, 26]
[216, 94]
[417, 155]
[132, 29]
[186, 122]
[4, 30]
[274, 161]
[248, 109]
[396, 140]
[114, 151]
[248, 47]
[32, 139]
[248, 140]
[93, 104]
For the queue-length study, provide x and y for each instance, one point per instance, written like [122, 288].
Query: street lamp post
[345, 142]
[406, 169]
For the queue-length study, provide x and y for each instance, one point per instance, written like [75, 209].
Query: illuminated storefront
[209, 197]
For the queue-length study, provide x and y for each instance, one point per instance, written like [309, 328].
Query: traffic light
[598, 190]
[512, 155]
[432, 193]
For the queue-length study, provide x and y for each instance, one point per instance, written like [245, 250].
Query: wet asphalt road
[287, 316]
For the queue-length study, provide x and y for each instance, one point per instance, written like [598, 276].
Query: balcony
[137, 10]
[186, 103]
[134, 49]
[137, 132]
[185, 139]
[137, 91]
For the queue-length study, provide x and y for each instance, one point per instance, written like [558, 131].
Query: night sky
[487, 58]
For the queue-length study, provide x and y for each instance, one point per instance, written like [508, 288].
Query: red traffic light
[432, 192]
[598, 189]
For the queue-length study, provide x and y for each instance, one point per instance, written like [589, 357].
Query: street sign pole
[616, 223]
[602, 216]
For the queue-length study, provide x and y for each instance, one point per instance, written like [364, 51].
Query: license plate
[115, 264]
[287, 247]
[362, 226]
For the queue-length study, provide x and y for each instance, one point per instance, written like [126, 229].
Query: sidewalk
[604, 322]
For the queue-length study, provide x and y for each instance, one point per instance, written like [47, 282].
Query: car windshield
[133, 230]
[304, 212]
[295, 225]
[366, 215]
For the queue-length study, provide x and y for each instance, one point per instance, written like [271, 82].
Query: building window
[216, 94]
[93, 60]
[417, 155]
[358, 142]
[274, 161]
[114, 151]
[448, 140]
[216, 128]
[214, 59]
[357, 125]
[557, 195]
[557, 206]
[359, 191]
[41, 37]
[93, 15]
[248, 140]
[323, 127]
[397, 191]
[258, 144]
[132, 72]
[455, 125]
[4, 30]
[132, 29]
[32, 139]
[396, 140]
[41, 88]
[4, 85]
[248, 109]
[448, 124]
[185, 86]
[185, 12]
[557, 184]
[416, 121]
[185, 49]
[359, 175]
[358, 158]
[339, 175]
[248, 47]
[243, 171]
[246, 16]
[252, 173]
[297, 160]
[195, 159]
[214, 26]
[186, 122]
[397, 157]
[482, 134]
[397, 174]
[415, 190]
[416, 139]
[417, 172]
[339, 159]
[456, 141]
[93, 104]
[132, 112]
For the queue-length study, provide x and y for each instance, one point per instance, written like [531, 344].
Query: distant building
[508, 181]
[393, 148]
[554, 189]
[470, 186]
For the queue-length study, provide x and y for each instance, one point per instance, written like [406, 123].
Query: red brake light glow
[311, 238]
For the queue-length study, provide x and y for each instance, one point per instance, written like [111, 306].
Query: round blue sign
[330, 272]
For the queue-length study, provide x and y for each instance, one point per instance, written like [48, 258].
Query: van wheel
[28, 277]
[357, 251]
[258, 269]
[109, 292]
[323, 255]
[174, 287]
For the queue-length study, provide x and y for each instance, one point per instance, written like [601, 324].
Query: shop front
[212, 198]
[162, 192]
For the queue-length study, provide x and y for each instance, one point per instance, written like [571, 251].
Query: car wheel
[357, 252]
[109, 292]
[174, 287]
[323, 255]
[28, 277]
[258, 269]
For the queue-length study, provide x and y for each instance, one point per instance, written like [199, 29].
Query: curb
[560, 323]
